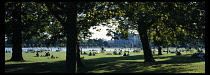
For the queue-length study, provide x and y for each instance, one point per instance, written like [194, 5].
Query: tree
[16, 25]
[71, 31]
[100, 42]
[62, 11]
[22, 22]
[141, 18]
[183, 28]
[106, 44]
[147, 17]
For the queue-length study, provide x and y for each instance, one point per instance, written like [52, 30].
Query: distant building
[131, 41]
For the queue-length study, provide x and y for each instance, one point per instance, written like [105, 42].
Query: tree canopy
[165, 23]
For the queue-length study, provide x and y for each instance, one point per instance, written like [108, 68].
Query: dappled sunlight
[166, 63]
[116, 37]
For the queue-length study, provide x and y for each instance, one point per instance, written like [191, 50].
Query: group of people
[46, 54]
[120, 53]
[115, 52]
[52, 57]
[7, 51]
[127, 54]
[92, 54]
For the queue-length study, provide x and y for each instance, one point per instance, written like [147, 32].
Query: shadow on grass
[38, 67]
[109, 65]
[175, 64]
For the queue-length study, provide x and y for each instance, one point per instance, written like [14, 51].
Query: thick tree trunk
[148, 57]
[71, 28]
[17, 48]
[17, 36]
[160, 50]
[71, 52]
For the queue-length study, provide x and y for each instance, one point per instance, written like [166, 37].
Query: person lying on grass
[108, 53]
[82, 57]
[52, 57]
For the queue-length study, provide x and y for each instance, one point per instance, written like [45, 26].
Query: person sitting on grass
[124, 54]
[84, 53]
[178, 53]
[37, 54]
[115, 53]
[47, 53]
[90, 54]
[94, 54]
[128, 54]
[52, 57]
[119, 53]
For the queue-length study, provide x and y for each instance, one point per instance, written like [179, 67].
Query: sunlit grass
[102, 63]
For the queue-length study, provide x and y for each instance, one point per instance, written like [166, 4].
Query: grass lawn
[101, 63]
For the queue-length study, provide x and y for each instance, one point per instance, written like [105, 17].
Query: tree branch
[56, 15]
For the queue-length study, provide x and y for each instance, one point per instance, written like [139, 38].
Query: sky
[96, 34]
[101, 34]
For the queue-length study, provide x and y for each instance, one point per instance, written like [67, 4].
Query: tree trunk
[167, 50]
[17, 36]
[71, 52]
[71, 28]
[159, 51]
[79, 62]
[148, 57]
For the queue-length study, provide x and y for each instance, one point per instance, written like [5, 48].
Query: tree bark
[79, 62]
[17, 36]
[159, 50]
[71, 52]
[167, 49]
[71, 28]
[148, 57]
